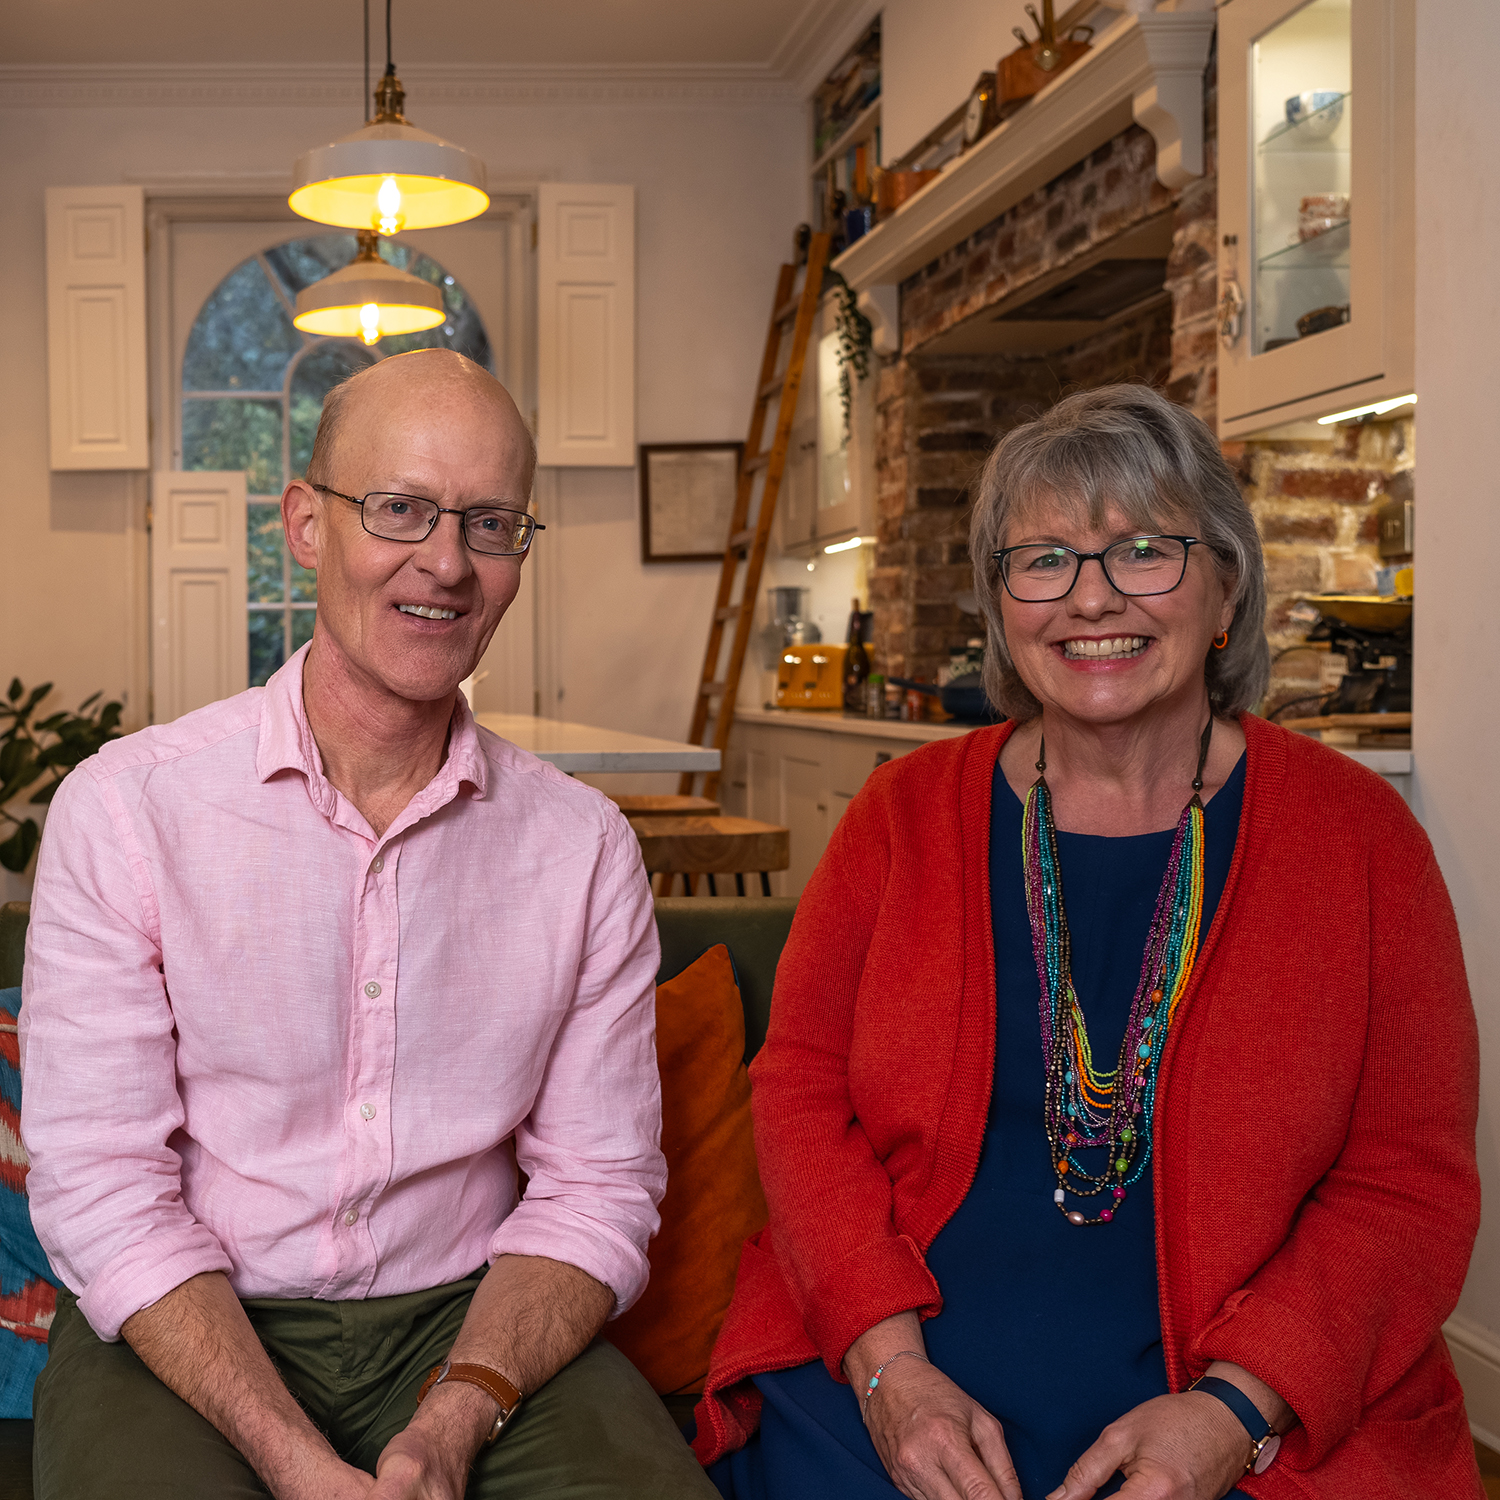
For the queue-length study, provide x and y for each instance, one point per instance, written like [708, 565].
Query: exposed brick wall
[1109, 192]
[938, 416]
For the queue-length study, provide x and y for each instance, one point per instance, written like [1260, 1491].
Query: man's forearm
[529, 1318]
[198, 1342]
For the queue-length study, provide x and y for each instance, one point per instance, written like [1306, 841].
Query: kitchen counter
[855, 724]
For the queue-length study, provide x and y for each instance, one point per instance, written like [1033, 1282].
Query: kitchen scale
[1373, 633]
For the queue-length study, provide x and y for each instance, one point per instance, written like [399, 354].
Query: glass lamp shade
[368, 299]
[389, 176]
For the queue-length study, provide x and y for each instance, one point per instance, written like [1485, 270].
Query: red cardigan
[1316, 1190]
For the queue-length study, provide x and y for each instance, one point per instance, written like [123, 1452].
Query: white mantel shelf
[1147, 69]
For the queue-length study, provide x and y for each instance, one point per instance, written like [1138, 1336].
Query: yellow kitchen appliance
[811, 677]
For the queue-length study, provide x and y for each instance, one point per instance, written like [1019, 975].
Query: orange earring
[1221, 640]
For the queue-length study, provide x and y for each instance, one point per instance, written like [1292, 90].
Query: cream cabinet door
[199, 650]
[586, 325]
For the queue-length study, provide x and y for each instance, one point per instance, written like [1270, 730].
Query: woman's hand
[936, 1442]
[1186, 1447]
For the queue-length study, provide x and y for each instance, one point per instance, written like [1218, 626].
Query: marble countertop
[1386, 762]
[585, 747]
[841, 723]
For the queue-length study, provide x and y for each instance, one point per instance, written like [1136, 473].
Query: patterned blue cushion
[28, 1290]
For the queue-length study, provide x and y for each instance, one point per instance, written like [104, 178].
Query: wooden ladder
[748, 539]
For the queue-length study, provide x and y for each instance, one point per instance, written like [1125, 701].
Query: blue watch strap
[1238, 1402]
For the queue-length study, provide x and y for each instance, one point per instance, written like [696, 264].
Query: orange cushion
[713, 1201]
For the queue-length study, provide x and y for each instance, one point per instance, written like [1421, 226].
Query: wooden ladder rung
[787, 311]
[771, 388]
[729, 612]
[755, 464]
[739, 540]
[712, 689]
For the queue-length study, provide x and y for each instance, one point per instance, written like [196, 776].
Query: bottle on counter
[856, 664]
[875, 696]
[894, 696]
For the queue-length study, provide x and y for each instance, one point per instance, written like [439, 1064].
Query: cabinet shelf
[1301, 134]
[861, 128]
[1326, 251]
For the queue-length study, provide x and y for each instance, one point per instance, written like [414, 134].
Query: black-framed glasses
[1039, 572]
[493, 529]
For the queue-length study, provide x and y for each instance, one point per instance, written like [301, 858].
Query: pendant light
[368, 299]
[388, 175]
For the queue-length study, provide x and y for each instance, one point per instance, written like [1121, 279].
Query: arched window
[252, 393]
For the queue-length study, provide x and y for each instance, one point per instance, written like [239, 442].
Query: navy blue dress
[1053, 1328]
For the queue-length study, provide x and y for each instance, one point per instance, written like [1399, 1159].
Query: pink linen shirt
[258, 1039]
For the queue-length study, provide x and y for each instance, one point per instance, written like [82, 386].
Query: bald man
[310, 973]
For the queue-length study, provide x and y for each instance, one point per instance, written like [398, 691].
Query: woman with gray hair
[1103, 1150]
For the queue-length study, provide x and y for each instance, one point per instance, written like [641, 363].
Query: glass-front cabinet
[1315, 208]
[828, 491]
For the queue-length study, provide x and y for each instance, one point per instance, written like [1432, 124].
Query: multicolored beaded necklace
[1086, 1106]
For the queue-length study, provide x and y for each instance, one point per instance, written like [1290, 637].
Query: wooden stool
[712, 846]
[646, 806]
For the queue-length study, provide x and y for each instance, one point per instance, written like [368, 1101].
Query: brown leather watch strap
[507, 1397]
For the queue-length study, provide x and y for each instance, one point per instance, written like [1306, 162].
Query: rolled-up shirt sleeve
[591, 1145]
[100, 1102]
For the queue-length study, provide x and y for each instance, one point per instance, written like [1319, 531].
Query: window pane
[267, 644]
[232, 434]
[267, 547]
[301, 262]
[302, 627]
[463, 331]
[242, 338]
[317, 372]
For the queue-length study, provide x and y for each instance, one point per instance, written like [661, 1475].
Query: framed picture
[687, 500]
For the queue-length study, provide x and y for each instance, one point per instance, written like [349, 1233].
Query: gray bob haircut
[1127, 447]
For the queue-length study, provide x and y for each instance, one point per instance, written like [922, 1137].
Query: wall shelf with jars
[1316, 195]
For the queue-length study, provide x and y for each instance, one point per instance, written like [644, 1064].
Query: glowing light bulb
[388, 201]
[369, 323]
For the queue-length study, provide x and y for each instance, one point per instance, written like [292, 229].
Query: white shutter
[586, 325]
[96, 326]
[199, 641]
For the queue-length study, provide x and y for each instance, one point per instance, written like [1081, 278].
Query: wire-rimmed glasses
[1040, 572]
[495, 530]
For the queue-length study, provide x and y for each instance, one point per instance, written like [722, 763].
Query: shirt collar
[286, 744]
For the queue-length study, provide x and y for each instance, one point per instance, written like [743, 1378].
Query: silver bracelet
[864, 1405]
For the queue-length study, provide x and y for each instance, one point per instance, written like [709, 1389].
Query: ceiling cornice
[248, 85]
[818, 39]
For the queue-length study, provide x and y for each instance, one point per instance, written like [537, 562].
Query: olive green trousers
[105, 1426]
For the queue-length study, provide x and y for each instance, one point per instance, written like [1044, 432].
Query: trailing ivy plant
[855, 337]
[49, 748]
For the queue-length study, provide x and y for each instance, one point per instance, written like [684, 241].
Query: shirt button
[368, 1111]
[372, 990]
[352, 1217]
[378, 864]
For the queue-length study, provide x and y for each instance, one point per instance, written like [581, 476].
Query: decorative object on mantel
[388, 175]
[368, 299]
[687, 499]
[982, 112]
[30, 751]
[892, 189]
[1037, 61]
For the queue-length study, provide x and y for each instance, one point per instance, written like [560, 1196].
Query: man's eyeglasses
[1039, 573]
[492, 529]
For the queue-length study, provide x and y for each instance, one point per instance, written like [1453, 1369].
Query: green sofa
[753, 928]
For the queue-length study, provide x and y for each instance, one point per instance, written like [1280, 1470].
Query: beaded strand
[1084, 1105]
